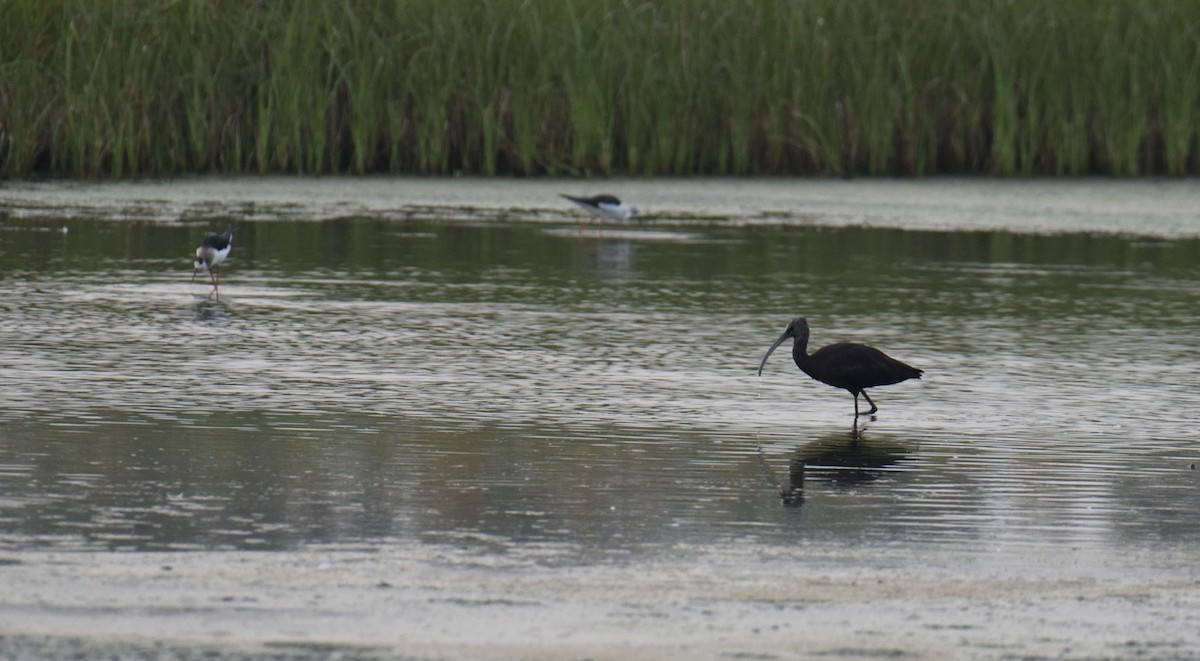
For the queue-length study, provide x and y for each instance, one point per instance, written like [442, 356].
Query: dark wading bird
[845, 365]
[212, 251]
[603, 206]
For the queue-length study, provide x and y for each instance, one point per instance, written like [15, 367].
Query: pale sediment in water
[717, 602]
[1158, 208]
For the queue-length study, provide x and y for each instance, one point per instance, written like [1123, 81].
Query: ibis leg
[873, 407]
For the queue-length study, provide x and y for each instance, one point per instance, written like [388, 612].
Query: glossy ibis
[845, 365]
[212, 251]
[603, 206]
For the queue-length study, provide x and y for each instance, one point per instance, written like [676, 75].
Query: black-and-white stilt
[602, 207]
[212, 251]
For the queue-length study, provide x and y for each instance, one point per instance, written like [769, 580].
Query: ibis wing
[857, 366]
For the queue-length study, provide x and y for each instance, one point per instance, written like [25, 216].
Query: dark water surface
[507, 385]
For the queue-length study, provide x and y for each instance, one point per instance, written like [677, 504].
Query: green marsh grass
[592, 87]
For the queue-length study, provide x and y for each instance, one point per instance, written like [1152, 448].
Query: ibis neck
[800, 349]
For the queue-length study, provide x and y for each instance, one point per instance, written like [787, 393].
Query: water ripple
[607, 401]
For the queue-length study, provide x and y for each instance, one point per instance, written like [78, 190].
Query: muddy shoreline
[1159, 208]
[724, 602]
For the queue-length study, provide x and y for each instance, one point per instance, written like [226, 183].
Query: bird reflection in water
[842, 459]
[792, 494]
[211, 310]
[614, 256]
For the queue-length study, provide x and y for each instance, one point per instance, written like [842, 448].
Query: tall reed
[597, 87]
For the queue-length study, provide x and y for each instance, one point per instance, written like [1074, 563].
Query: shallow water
[491, 380]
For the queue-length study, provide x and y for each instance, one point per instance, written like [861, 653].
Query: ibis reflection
[842, 458]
